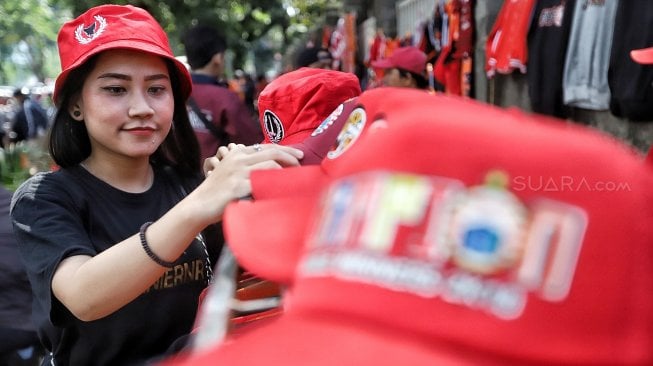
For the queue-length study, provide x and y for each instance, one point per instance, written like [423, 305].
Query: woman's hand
[227, 173]
[212, 162]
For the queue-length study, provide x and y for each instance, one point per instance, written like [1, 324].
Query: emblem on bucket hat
[108, 27]
[85, 34]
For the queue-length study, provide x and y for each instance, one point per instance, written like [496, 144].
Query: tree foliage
[28, 29]
[259, 26]
[255, 28]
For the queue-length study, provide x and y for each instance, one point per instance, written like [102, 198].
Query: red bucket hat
[295, 103]
[108, 27]
[406, 58]
[446, 239]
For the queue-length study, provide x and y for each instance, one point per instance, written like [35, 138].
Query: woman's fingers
[210, 164]
[259, 148]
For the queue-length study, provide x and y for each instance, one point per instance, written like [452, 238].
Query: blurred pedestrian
[218, 115]
[19, 342]
[261, 83]
[115, 242]
[30, 120]
[405, 68]
[315, 57]
[644, 56]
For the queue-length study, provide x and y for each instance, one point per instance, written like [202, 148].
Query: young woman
[112, 240]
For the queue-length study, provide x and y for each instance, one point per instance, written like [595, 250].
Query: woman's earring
[77, 113]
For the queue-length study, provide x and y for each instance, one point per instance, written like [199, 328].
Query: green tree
[260, 27]
[28, 31]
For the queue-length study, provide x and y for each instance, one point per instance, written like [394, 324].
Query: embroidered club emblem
[273, 126]
[86, 33]
[349, 133]
[328, 121]
[480, 247]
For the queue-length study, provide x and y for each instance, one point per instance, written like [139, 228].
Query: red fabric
[295, 103]
[227, 111]
[452, 77]
[465, 40]
[408, 58]
[512, 230]
[377, 47]
[506, 46]
[322, 139]
[113, 26]
[439, 70]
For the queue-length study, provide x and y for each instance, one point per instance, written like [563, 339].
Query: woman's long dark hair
[70, 144]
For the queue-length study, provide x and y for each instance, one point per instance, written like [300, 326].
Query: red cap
[444, 238]
[323, 138]
[643, 55]
[348, 128]
[295, 103]
[108, 27]
[406, 58]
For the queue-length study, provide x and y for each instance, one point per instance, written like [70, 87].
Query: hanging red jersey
[506, 48]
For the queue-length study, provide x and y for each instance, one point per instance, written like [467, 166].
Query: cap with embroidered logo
[295, 103]
[108, 27]
[407, 58]
[535, 232]
[323, 137]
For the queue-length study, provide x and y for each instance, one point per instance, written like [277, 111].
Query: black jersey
[71, 212]
[547, 47]
[631, 84]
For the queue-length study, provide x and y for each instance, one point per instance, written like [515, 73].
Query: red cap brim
[382, 64]
[135, 45]
[272, 249]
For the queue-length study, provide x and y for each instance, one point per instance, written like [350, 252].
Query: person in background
[405, 68]
[30, 120]
[247, 87]
[644, 56]
[218, 115]
[315, 57]
[19, 342]
[261, 82]
[116, 241]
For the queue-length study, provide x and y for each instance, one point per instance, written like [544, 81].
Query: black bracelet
[149, 251]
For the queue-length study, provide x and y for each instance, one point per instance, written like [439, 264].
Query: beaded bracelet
[149, 251]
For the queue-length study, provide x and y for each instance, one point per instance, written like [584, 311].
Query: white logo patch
[349, 133]
[273, 126]
[86, 33]
[329, 120]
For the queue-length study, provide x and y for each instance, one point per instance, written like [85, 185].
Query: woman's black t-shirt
[71, 212]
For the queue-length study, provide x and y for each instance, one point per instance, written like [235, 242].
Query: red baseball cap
[643, 55]
[445, 238]
[324, 148]
[408, 58]
[295, 103]
[107, 27]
